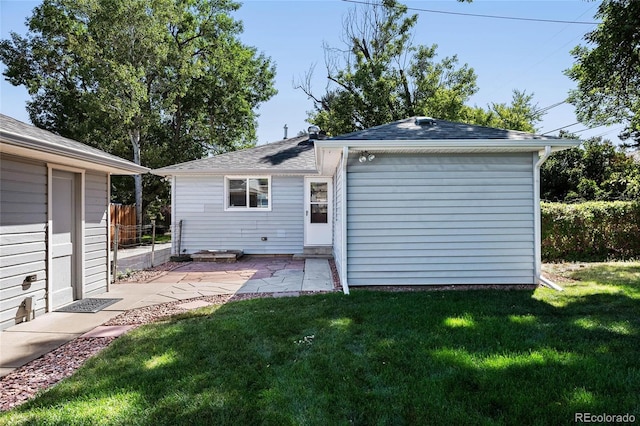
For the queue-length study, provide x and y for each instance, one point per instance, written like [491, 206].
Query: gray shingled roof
[294, 155]
[434, 129]
[297, 155]
[23, 135]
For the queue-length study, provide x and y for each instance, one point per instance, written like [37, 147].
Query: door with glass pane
[318, 230]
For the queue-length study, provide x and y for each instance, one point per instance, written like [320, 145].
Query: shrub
[592, 231]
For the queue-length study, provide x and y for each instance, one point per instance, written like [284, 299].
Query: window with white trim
[247, 193]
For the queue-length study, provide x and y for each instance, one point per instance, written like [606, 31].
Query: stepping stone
[108, 331]
[194, 305]
[286, 294]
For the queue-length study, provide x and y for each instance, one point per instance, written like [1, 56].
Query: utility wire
[512, 18]
[588, 128]
[560, 128]
[608, 131]
[545, 109]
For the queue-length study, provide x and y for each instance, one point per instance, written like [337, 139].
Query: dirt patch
[146, 275]
[414, 288]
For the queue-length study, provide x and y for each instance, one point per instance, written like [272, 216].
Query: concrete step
[316, 252]
[326, 250]
[312, 256]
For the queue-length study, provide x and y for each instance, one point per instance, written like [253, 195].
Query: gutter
[450, 145]
[537, 222]
[343, 208]
[167, 171]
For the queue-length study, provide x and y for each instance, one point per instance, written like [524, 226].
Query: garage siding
[96, 240]
[199, 203]
[441, 219]
[23, 224]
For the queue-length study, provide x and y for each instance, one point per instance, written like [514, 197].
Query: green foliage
[154, 81]
[595, 171]
[590, 231]
[607, 70]
[485, 357]
[380, 76]
[521, 115]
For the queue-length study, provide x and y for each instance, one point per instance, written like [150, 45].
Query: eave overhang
[328, 151]
[50, 152]
[168, 171]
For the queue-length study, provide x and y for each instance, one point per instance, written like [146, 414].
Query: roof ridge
[414, 128]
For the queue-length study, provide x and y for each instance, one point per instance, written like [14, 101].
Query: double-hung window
[247, 193]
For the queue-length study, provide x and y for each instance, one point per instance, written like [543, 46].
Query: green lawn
[456, 357]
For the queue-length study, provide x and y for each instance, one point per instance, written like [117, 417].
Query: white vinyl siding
[96, 240]
[23, 220]
[200, 203]
[441, 219]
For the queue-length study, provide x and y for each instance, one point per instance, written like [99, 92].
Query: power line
[608, 131]
[545, 109]
[588, 128]
[512, 18]
[560, 128]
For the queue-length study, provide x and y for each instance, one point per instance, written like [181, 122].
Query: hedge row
[592, 231]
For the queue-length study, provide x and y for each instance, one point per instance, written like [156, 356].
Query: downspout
[109, 259]
[174, 222]
[537, 222]
[343, 213]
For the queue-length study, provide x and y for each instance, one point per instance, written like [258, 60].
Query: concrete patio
[279, 276]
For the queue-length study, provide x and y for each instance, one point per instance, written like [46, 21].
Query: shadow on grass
[468, 357]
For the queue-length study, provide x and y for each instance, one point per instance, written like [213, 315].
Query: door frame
[79, 235]
[330, 207]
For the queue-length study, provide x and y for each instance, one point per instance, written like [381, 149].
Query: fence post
[153, 240]
[115, 252]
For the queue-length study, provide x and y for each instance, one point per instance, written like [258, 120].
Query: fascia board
[12, 143]
[166, 171]
[442, 145]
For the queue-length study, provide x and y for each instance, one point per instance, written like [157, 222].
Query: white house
[54, 220]
[414, 202]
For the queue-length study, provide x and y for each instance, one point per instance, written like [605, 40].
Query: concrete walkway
[282, 276]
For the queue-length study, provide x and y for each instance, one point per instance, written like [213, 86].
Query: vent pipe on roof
[285, 131]
[314, 132]
[425, 121]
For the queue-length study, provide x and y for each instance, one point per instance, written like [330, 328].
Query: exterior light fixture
[365, 156]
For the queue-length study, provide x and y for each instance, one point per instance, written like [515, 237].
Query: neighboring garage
[54, 221]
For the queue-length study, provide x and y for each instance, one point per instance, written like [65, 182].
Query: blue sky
[505, 54]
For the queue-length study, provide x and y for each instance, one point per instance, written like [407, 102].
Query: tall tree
[607, 70]
[522, 114]
[596, 170]
[380, 76]
[157, 80]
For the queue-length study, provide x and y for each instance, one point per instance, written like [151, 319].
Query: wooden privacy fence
[125, 216]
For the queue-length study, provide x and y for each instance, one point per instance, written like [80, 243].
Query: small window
[248, 193]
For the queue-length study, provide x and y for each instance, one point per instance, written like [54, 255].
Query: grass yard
[457, 357]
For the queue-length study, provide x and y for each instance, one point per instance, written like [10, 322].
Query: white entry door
[63, 238]
[318, 199]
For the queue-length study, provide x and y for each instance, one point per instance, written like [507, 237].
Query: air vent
[313, 131]
[425, 121]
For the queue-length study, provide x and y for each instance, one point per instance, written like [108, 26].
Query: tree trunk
[134, 136]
